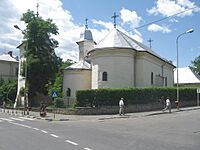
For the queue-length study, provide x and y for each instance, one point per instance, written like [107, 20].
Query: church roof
[186, 76]
[7, 57]
[86, 35]
[79, 65]
[118, 39]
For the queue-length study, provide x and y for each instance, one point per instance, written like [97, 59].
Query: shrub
[110, 97]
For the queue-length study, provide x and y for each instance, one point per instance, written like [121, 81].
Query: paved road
[176, 131]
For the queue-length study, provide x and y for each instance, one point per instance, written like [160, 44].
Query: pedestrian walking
[121, 107]
[168, 105]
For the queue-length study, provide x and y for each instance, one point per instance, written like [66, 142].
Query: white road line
[27, 118]
[36, 129]
[25, 126]
[87, 148]
[6, 119]
[54, 135]
[73, 143]
[16, 119]
[22, 125]
[44, 131]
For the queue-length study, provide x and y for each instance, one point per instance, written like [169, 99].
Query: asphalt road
[176, 131]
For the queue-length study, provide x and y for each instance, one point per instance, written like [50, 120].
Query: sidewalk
[61, 117]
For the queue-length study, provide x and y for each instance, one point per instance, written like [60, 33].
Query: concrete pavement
[61, 117]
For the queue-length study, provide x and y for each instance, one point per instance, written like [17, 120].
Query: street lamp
[25, 92]
[177, 84]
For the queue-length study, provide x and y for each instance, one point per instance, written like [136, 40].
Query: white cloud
[106, 25]
[157, 28]
[69, 32]
[171, 7]
[130, 17]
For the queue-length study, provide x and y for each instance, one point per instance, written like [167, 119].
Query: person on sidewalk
[168, 105]
[121, 107]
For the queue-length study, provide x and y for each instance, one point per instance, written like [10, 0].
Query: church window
[104, 76]
[151, 78]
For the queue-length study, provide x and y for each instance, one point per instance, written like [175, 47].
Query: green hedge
[110, 97]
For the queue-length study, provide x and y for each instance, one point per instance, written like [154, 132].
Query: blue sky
[69, 15]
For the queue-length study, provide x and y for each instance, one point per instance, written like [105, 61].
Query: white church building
[117, 61]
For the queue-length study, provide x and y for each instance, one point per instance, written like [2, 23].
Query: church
[117, 61]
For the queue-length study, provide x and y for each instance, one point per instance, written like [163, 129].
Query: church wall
[76, 80]
[117, 63]
[84, 47]
[146, 65]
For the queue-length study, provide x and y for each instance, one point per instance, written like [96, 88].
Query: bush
[59, 103]
[110, 97]
[8, 91]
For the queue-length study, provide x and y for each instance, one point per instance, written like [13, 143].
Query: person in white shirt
[168, 105]
[121, 107]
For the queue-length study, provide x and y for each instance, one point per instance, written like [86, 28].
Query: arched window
[151, 78]
[104, 76]
[68, 92]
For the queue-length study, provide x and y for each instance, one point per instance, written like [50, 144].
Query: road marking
[22, 125]
[16, 119]
[54, 135]
[73, 143]
[25, 126]
[27, 118]
[44, 131]
[6, 119]
[36, 129]
[87, 148]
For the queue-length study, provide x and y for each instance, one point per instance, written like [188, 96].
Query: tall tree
[196, 65]
[42, 62]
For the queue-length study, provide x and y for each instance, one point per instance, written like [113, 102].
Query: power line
[164, 18]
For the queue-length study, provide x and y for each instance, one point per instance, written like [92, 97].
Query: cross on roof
[86, 21]
[114, 17]
[150, 41]
[37, 9]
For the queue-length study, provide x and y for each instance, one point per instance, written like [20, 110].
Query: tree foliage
[42, 62]
[196, 65]
[8, 90]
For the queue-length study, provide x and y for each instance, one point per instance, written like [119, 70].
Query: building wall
[146, 65]
[76, 80]
[8, 69]
[117, 63]
[84, 47]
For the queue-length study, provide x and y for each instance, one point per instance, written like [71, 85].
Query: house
[186, 77]
[117, 61]
[8, 66]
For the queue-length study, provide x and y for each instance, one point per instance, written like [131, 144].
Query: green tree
[8, 91]
[196, 65]
[42, 62]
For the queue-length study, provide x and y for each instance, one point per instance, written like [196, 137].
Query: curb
[50, 119]
[115, 117]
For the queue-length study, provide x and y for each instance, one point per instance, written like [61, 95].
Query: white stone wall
[145, 64]
[84, 47]
[119, 65]
[76, 80]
